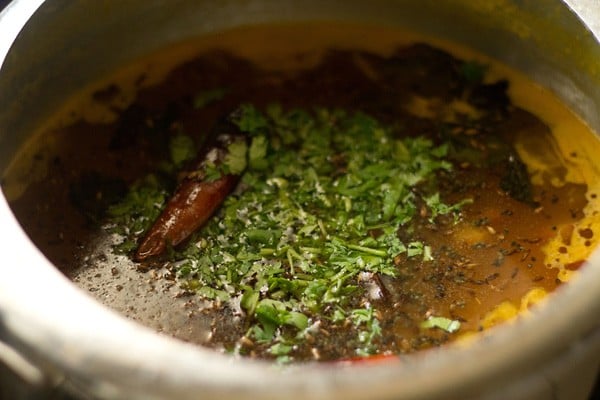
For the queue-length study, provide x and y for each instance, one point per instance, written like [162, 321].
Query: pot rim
[71, 326]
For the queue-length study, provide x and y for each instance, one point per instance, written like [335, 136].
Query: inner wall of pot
[67, 45]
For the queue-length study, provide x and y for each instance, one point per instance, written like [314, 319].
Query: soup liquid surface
[516, 240]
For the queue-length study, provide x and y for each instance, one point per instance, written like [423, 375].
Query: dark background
[12, 388]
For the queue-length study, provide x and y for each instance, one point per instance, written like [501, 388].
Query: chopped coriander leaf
[182, 148]
[368, 330]
[207, 97]
[280, 349]
[291, 242]
[235, 161]
[212, 172]
[250, 120]
[449, 325]
[258, 152]
[437, 207]
[134, 214]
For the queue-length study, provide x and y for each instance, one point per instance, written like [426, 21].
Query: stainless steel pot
[53, 332]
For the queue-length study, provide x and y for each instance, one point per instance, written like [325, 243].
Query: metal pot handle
[17, 362]
[31, 374]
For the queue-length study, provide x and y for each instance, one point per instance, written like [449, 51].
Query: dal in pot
[504, 214]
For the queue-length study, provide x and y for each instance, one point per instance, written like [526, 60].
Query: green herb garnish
[181, 148]
[134, 214]
[235, 161]
[207, 97]
[449, 325]
[321, 199]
